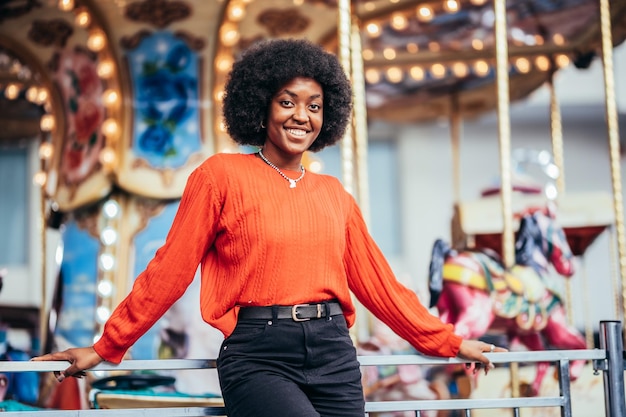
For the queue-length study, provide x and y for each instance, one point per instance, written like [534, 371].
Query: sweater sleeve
[170, 272]
[374, 284]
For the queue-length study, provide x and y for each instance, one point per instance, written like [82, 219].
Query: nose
[300, 114]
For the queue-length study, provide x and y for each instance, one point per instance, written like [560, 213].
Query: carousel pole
[43, 316]
[351, 61]
[360, 120]
[455, 138]
[614, 146]
[347, 144]
[556, 133]
[504, 136]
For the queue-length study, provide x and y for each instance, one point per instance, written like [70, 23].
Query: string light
[394, 74]
[45, 151]
[12, 91]
[417, 73]
[389, 53]
[372, 76]
[46, 123]
[96, 41]
[425, 13]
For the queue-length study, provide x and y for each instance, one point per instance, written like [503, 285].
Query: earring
[262, 125]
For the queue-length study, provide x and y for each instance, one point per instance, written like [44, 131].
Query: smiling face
[294, 121]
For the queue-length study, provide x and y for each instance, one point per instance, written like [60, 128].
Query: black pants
[282, 368]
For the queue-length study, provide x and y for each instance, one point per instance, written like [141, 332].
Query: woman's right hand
[80, 359]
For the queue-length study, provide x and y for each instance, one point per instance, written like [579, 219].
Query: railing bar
[460, 404]
[516, 412]
[374, 360]
[130, 412]
[129, 365]
[468, 412]
[501, 357]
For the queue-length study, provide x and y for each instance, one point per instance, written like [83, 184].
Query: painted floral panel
[164, 73]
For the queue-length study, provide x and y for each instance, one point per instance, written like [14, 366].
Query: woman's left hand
[474, 350]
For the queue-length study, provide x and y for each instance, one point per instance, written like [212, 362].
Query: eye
[315, 107]
[286, 103]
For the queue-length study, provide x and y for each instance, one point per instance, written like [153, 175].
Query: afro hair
[268, 65]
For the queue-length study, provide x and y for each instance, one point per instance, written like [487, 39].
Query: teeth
[297, 132]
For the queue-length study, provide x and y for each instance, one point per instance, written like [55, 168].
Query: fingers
[80, 359]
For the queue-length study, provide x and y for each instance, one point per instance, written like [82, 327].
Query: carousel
[113, 103]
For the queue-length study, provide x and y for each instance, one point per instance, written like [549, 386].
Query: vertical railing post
[611, 340]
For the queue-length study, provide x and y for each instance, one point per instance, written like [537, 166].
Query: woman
[281, 251]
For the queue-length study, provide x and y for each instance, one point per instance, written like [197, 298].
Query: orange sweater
[262, 243]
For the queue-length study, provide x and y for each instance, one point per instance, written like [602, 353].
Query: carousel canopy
[417, 54]
[77, 71]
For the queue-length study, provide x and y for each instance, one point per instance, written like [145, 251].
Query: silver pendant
[292, 183]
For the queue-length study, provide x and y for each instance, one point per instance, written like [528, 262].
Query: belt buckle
[294, 312]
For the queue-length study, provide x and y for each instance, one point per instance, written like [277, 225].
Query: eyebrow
[292, 94]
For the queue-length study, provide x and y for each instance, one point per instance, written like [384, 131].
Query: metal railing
[609, 360]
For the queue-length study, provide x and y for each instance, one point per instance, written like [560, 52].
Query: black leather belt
[298, 312]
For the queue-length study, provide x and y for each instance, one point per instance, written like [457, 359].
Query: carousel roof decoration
[422, 60]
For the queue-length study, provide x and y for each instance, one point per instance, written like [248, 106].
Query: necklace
[292, 183]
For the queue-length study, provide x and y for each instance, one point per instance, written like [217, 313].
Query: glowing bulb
[372, 76]
[543, 63]
[105, 69]
[45, 150]
[558, 39]
[412, 47]
[236, 12]
[373, 30]
[107, 261]
[481, 68]
[562, 60]
[399, 21]
[417, 73]
[46, 124]
[229, 35]
[523, 65]
[12, 91]
[32, 93]
[451, 6]
[102, 314]
[425, 13]
[110, 97]
[110, 128]
[477, 44]
[96, 41]
[42, 96]
[394, 74]
[389, 53]
[105, 288]
[368, 54]
[82, 19]
[108, 236]
[224, 63]
[111, 209]
[438, 70]
[107, 157]
[460, 69]
[40, 178]
[66, 5]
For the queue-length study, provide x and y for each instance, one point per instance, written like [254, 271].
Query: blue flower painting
[164, 72]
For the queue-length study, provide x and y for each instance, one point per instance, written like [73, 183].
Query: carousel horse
[474, 291]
